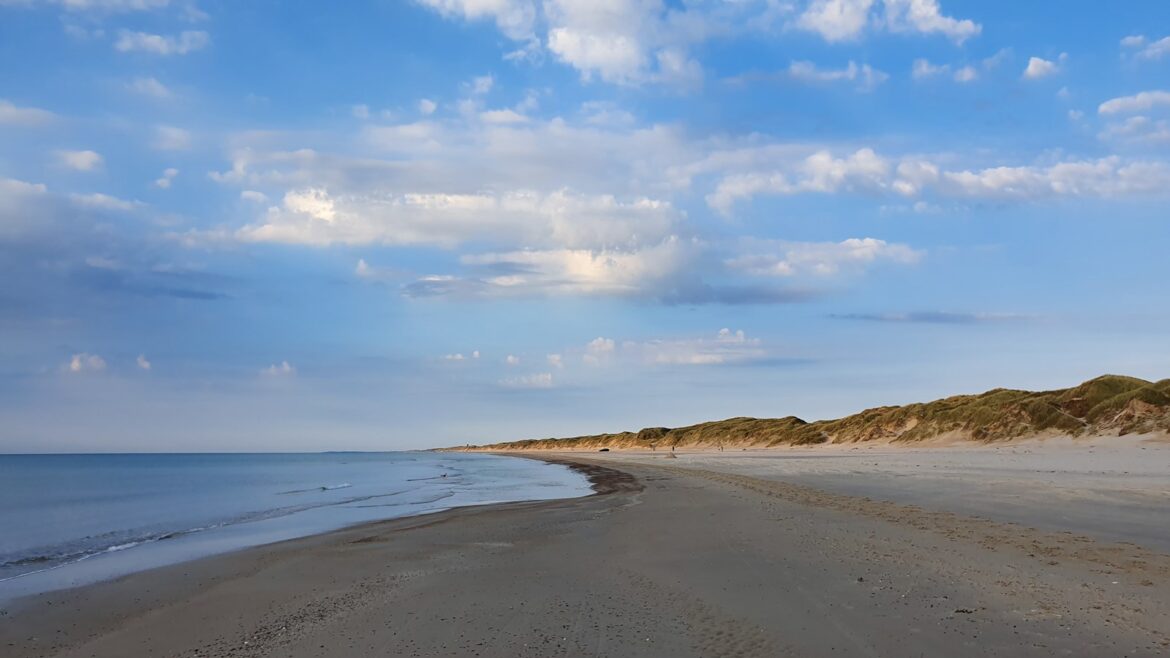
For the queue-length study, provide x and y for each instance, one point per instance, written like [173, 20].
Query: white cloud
[599, 350]
[512, 360]
[254, 196]
[85, 362]
[1103, 178]
[313, 216]
[360, 112]
[536, 380]
[10, 188]
[819, 172]
[967, 74]
[923, 69]
[1042, 68]
[81, 160]
[1138, 130]
[150, 87]
[1141, 102]
[1133, 41]
[865, 76]
[481, 85]
[1145, 48]
[14, 115]
[186, 42]
[427, 107]
[722, 348]
[925, 17]
[786, 259]
[164, 181]
[836, 20]
[143, 362]
[282, 369]
[623, 41]
[505, 116]
[515, 18]
[99, 201]
[844, 20]
[170, 138]
[452, 357]
[555, 360]
[866, 171]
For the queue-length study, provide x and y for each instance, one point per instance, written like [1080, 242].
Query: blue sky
[376, 225]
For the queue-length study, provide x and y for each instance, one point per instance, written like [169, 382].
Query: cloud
[925, 17]
[774, 258]
[14, 115]
[846, 20]
[99, 201]
[1042, 68]
[512, 360]
[868, 172]
[186, 42]
[1141, 102]
[663, 272]
[598, 350]
[624, 41]
[150, 87]
[555, 360]
[10, 188]
[922, 69]
[515, 18]
[836, 20]
[967, 74]
[426, 107]
[81, 160]
[316, 217]
[143, 362]
[1138, 130]
[866, 77]
[254, 196]
[282, 369]
[536, 380]
[725, 347]
[164, 182]
[85, 362]
[170, 138]
[1146, 49]
[819, 172]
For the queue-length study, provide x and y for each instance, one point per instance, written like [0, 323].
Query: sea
[69, 520]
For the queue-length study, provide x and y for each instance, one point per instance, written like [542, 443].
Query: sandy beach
[782, 553]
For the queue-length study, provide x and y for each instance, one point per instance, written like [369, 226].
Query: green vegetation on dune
[1110, 404]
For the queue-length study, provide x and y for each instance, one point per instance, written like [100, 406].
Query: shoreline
[661, 561]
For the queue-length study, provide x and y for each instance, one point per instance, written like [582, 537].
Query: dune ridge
[1106, 405]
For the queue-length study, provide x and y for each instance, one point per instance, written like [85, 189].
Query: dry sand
[676, 559]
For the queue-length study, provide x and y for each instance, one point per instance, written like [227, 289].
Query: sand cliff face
[1108, 405]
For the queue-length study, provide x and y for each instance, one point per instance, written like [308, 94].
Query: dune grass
[1110, 404]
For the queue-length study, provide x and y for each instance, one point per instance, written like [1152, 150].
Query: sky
[248, 225]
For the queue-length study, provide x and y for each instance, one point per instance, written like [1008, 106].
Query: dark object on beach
[604, 450]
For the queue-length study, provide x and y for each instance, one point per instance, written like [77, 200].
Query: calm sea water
[67, 520]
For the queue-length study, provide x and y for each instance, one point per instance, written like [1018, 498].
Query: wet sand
[672, 559]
